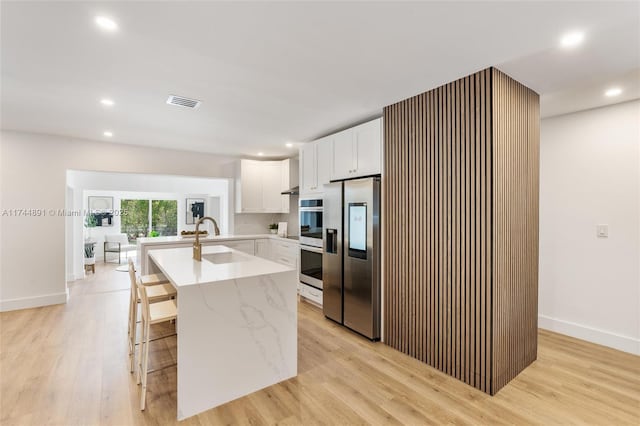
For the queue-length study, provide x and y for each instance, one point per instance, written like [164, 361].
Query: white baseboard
[33, 302]
[594, 335]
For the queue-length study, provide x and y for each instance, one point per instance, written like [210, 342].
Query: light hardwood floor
[67, 365]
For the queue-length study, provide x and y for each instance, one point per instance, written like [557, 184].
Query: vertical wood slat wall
[461, 228]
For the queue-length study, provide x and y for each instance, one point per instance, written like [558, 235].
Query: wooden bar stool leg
[132, 336]
[141, 346]
[145, 368]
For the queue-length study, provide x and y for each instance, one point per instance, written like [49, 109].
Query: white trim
[34, 302]
[601, 337]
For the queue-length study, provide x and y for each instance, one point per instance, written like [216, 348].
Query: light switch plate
[602, 231]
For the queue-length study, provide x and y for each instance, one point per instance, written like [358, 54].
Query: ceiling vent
[183, 102]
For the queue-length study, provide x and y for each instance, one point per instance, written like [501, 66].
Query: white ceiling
[270, 73]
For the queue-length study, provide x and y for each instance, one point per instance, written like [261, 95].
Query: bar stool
[152, 313]
[158, 288]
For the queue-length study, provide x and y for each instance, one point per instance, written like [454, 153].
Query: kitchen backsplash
[256, 223]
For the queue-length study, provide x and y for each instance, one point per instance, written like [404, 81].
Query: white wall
[590, 175]
[33, 176]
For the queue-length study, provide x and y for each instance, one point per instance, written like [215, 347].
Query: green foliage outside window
[164, 217]
[135, 218]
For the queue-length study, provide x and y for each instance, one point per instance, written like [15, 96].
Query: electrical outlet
[602, 231]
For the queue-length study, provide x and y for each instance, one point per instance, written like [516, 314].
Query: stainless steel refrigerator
[351, 258]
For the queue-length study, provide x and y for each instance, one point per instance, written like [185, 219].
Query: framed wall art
[195, 210]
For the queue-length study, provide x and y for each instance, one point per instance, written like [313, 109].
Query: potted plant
[273, 228]
[90, 222]
[89, 253]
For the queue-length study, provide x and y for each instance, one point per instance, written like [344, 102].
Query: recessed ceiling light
[106, 23]
[260, 154]
[289, 145]
[107, 102]
[572, 39]
[614, 91]
[107, 134]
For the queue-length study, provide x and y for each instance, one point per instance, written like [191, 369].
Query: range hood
[293, 191]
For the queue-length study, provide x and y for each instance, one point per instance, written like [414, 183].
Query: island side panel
[235, 337]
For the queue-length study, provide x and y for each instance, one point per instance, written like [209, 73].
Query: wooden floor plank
[68, 364]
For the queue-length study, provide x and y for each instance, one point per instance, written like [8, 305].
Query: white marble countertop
[209, 238]
[178, 265]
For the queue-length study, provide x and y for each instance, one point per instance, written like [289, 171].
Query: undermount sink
[228, 257]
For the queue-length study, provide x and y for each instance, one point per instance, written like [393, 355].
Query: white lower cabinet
[279, 251]
[285, 253]
[311, 293]
[263, 248]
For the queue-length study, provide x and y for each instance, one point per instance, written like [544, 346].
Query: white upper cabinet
[324, 153]
[348, 154]
[356, 151]
[272, 186]
[315, 165]
[367, 143]
[259, 185]
[343, 155]
[249, 187]
[308, 168]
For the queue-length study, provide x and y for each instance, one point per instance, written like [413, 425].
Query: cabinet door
[285, 183]
[343, 164]
[324, 153]
[367, 141]
[272, 186]
[308, 168]
[263, 248]
[251, 186]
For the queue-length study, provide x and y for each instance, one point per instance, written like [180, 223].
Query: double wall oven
[311, 242]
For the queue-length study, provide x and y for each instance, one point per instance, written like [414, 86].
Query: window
[164, 217]
[143, 218]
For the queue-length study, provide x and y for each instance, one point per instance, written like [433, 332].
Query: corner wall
[590, 175]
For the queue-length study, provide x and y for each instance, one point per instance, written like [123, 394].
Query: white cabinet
[311, 293]
[308, 168]
[324, 152]
[285, 252]
[263, 248]
[367, 144]
[357, 151]
[343, 154]
[348, 154]
[272, 186]
[259, 185]
[315, 165]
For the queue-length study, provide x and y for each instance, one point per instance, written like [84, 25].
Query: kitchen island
[237, 324]
[244, 243]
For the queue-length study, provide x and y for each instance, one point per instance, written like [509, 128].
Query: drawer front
[286, 260]
[311, 293]
[281, 248]
[285, 253]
